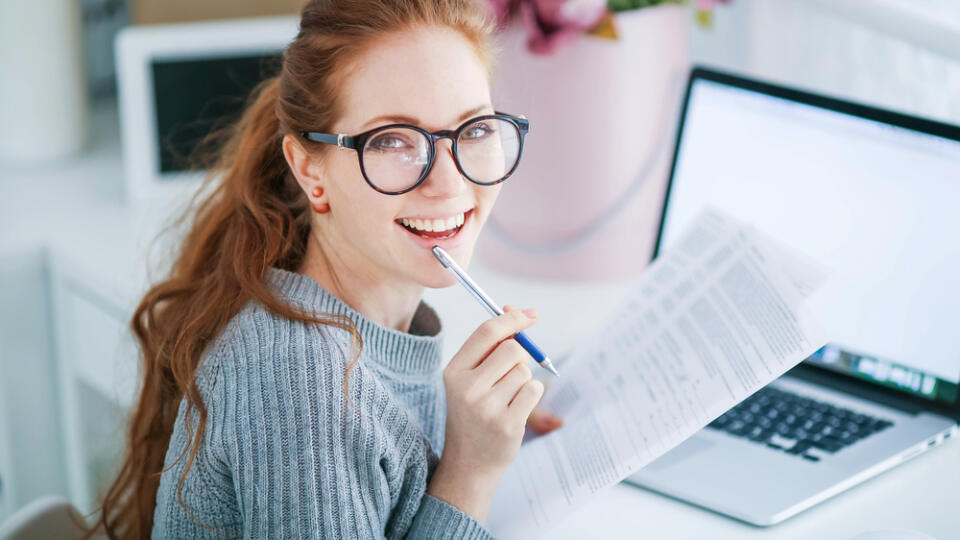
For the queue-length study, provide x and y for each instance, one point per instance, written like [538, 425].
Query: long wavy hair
[251, 216]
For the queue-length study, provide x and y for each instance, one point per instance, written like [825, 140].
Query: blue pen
[494, 309]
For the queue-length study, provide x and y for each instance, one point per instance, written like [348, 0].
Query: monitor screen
[876, 204]
[195, 96]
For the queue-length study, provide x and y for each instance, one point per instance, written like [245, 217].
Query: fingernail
[530, 313]
[549, 421]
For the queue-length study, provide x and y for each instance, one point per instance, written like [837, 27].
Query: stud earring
[320, 208]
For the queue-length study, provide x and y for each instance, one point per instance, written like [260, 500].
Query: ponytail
[255, 218]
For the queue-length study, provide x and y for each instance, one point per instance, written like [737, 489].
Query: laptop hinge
[857, 388]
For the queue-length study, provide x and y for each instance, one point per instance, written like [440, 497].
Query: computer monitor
[179, 82]
[873, 195]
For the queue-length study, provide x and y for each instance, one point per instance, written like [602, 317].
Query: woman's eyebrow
[402, 119]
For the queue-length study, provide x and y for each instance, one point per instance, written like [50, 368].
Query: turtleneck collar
[416, 352]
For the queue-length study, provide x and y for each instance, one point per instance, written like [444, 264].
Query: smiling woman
[291, 373]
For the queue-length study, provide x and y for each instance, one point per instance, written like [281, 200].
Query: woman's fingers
[499, 362]
[526, 399]
[507, 387]
[487, 336]
[529, 312]
[542, 422]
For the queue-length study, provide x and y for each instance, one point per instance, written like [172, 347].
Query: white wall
[894, 54]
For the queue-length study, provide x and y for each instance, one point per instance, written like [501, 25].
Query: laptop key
[800, 447]
[781, 442]
[759, 434]
[828, 444]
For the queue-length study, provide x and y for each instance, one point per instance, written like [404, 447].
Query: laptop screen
[878, 205]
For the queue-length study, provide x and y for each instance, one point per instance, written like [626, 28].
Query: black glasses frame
[357, 142]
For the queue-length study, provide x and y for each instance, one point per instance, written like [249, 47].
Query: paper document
[711, 321]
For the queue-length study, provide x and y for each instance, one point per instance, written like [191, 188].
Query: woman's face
[428, 77]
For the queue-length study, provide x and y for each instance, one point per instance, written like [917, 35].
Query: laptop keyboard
[797, 425]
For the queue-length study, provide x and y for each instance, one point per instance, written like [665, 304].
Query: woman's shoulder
[256, 338]
[264, 358]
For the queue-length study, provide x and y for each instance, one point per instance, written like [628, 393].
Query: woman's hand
[490, 394]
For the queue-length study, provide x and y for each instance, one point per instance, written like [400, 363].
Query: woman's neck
[385, 302]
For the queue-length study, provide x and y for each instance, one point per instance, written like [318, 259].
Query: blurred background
[103, 101]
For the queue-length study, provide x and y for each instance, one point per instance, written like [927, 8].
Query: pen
[494, 309]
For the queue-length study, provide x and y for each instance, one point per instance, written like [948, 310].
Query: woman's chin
[438, 280]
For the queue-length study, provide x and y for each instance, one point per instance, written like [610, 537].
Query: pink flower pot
[586, 199]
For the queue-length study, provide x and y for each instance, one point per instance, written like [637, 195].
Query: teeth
[437, 225]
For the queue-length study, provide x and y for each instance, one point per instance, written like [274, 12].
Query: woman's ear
[307, 169]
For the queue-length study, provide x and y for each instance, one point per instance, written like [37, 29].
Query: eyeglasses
[396, 158]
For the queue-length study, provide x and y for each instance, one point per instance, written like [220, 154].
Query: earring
[318, 207]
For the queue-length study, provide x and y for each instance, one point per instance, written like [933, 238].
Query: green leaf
[628, 5]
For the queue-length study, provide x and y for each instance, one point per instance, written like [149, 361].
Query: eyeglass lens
[487, 149]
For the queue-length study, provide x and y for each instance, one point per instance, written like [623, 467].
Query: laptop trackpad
[693, 445]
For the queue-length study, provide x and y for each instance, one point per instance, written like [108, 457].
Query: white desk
[96, 246]
[922, 495]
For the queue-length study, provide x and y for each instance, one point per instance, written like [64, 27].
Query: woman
[292, 384]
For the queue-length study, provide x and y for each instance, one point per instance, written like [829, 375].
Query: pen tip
[549, 366]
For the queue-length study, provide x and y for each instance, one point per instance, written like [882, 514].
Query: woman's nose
[444, 179]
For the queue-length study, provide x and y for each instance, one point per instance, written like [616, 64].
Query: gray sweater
[284, 455]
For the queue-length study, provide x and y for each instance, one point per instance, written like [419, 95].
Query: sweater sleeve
[308, 462]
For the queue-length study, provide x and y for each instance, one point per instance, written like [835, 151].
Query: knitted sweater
[285, 455]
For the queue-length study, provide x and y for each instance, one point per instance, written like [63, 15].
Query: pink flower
[552, 23]
[707, 5]
[503, 10]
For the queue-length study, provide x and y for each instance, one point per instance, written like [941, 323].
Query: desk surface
[922, 494]
[76, 209]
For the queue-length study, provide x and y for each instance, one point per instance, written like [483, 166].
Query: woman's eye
[389, 142]
[476, 131]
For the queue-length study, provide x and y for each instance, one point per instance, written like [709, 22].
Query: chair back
[47, 517]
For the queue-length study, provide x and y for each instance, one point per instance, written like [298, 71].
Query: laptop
[873, 195]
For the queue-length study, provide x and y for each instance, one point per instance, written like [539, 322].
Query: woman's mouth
[435, 229]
